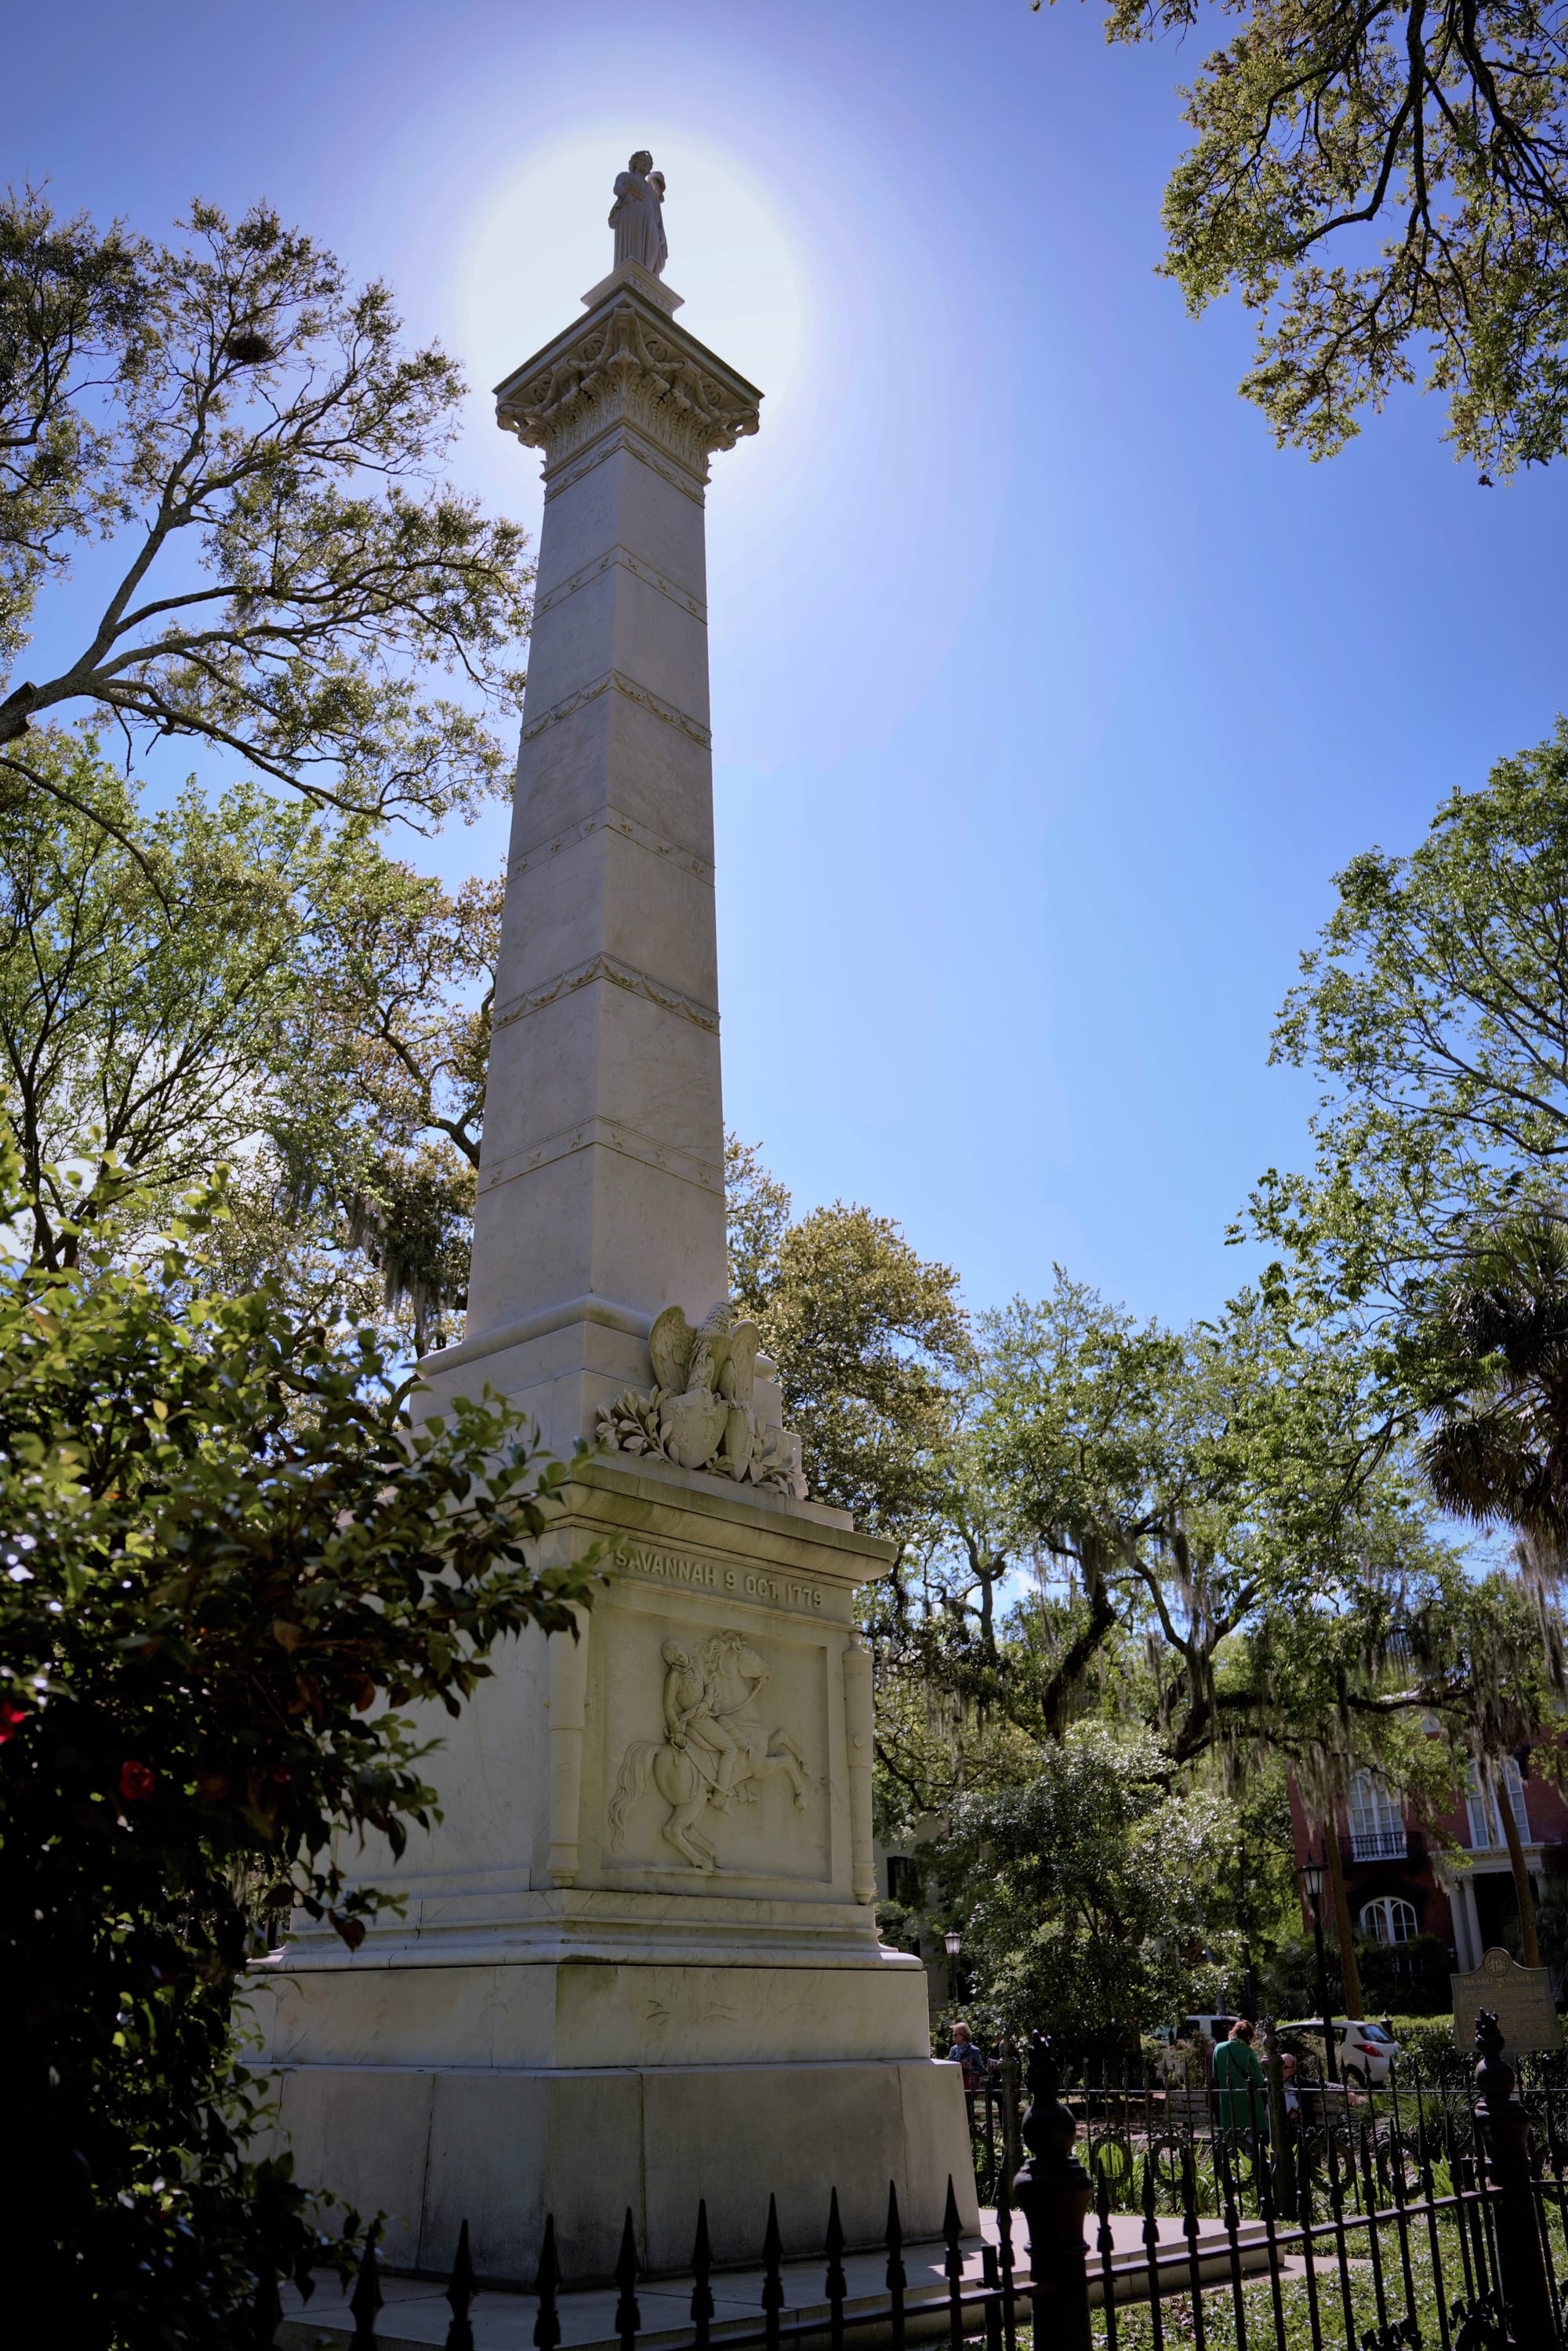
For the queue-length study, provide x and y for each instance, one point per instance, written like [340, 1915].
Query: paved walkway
[415, 2314]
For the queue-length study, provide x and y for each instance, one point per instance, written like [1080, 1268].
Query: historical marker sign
[1520, 1998]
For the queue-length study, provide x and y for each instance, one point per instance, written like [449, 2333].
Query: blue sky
[1047, 695]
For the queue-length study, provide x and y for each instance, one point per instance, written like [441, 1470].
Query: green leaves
[294, 579]
[1217, 1536]
[236, 1583]
[233, 1581]
[1431, 141]
[240, 983]
[870, 1339]
[68, 297]
[1434, 1013]
[1090, 1887]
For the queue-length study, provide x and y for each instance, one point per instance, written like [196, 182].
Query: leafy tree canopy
[290, 581]
[240, 981]
[1383, 184]
[1090, 1890]
[229, 1568]
[1127, 1511]
[871, 1341]
[1499, 1450]
[1434, 1014]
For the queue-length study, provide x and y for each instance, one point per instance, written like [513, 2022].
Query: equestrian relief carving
[715, 1749]
[703, 1411]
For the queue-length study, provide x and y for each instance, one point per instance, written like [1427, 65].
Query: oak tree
[288, 580]
[1385, 183]
[241, 981]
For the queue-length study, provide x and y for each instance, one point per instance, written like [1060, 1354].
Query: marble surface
[601, 1183]
[528, 1774]
[616, 1981]
[582, 2013]
[433, 2146]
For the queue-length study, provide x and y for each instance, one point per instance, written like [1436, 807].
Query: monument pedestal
[501, 2149]
[638, 1961]
[573, 2017]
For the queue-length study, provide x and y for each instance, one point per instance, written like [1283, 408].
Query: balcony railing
[1378, 1844]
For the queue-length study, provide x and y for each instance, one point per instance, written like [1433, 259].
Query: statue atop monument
[637, 214]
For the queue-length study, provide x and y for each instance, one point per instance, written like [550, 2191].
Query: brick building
[1401, 1880]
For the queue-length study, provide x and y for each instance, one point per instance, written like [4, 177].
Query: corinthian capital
[628, 364]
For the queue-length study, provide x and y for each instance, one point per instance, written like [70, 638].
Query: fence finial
[628, 2316]
[460, 2295]
[897, 2276]
[366, 2298]
[894, 2236]
[1506, 2125]
[836, 2283]
[772, 2282]
[547, 2326]
[952, 2231]
[1052, 2193]
[835, 2286]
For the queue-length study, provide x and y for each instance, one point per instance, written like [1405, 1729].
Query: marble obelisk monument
[638, 1963]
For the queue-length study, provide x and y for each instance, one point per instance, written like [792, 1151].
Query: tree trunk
[1523, 1890]
[1349, 1973]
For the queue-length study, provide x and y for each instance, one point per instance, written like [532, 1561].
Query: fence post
[1525, 2294]
[1052, 2191]
[1282, 2170]
[1011, 2157]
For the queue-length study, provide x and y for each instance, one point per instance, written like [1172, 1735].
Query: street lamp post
[1313, 1873]
[953, 1941]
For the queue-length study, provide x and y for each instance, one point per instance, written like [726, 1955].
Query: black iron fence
[1128, 2126]
[1422, 2218]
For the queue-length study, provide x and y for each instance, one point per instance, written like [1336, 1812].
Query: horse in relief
[714, 1750]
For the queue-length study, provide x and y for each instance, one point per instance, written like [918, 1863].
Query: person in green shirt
[1238, 2078]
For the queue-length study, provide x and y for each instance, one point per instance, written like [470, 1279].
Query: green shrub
[226, 1565]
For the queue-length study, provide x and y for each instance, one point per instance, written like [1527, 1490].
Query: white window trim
[1482, 1812]
[1376, 1821]
[1381, 1913]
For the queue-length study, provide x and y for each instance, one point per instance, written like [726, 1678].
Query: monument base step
[431, 2147]
[415, 2314]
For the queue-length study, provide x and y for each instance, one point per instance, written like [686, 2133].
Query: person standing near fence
[965, 2054]
[1238, 2078]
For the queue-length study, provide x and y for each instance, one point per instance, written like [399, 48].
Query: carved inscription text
[707, 1575]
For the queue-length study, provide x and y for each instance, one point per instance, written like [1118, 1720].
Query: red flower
[135, 1783]
[11, 1717]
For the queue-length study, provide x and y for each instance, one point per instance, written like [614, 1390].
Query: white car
[1364, 2052]
[1217, 2027]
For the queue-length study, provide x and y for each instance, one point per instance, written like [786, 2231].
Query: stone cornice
[610, 968]
[614, 681]
[628, 364]
[608, 819]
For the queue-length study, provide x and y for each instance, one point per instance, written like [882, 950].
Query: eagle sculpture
[701, 1411]
[706, 1377]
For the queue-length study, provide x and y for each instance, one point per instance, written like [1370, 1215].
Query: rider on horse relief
[714, 1746]
[690, 1720]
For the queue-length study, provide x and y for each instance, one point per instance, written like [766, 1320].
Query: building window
[903, 1880]
[1480, 1803]
[1389, 1920]
[1377, 1822]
